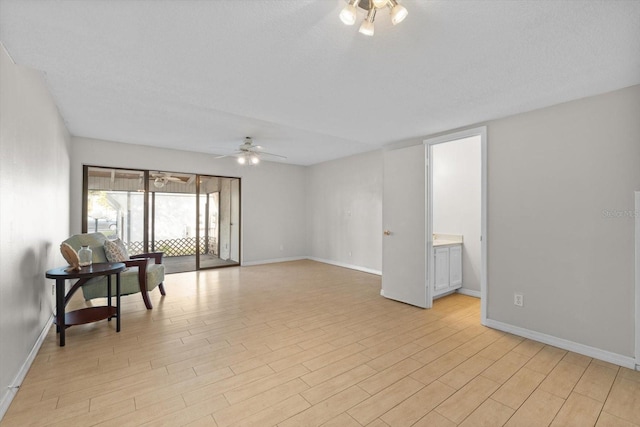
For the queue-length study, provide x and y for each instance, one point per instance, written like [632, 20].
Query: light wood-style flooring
[307, 344]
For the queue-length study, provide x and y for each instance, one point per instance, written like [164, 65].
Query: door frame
[637, 227]
[482, 133]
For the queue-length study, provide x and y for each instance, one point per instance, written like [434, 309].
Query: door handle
[387, 233]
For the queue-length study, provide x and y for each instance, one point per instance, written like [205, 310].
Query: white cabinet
[447, 269]
[441, 271]
[455, 266]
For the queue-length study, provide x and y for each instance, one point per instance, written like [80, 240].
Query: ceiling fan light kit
[248, 159]
[249, 154]
[349, 13]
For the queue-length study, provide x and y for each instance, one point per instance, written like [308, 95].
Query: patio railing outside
[175, 247]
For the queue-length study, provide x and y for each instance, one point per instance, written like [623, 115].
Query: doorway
[456, 215]
[637, 217]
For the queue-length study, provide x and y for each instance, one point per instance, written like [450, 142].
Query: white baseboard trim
[607, 356]
[10, 393]
[273, 261]
[322, 260]
[469, 292]
[349, 266]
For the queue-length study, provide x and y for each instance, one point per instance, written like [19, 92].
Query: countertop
[446, 239]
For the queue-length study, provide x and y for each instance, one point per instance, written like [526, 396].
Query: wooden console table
[91, 314]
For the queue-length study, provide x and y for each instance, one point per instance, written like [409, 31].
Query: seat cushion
[97, 287]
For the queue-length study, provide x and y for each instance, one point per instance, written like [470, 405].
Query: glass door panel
[115, 205]
[172, 219]
[217, 222]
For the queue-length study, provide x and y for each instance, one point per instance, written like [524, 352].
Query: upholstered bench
[145, 272]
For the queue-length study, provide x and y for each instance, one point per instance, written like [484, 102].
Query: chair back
[95, 241]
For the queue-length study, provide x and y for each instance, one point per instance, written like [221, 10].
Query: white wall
[344, 199]
[34, 214]
[554, 174]
[273, 194]
[557, 179]
[457, 196]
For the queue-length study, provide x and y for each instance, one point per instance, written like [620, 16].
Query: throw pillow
[115, 251]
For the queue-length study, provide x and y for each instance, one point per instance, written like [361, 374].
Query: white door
[404, 260]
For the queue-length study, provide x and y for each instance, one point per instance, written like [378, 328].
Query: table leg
[109, 294]
[118, 302]
[60, 326]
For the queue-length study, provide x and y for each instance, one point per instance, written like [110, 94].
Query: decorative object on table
[71, 256]
[86, 256]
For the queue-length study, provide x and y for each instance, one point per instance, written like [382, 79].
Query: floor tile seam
[534, 354]
[394, 406]
[526, 399]
[335, 361]
[118, 387]
[511, 376]
[573, 387]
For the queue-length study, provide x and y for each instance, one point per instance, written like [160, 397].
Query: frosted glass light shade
[366, 28]
[242, 160]
[398, 13]
[348, 14]
[380, 3]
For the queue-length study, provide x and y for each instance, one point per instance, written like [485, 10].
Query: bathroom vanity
[447, 250]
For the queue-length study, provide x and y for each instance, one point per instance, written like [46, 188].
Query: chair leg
[147, 301]
[161, 287]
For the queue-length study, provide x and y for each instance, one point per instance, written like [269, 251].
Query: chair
[142, 275]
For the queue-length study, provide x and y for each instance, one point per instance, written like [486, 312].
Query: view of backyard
[115, 206]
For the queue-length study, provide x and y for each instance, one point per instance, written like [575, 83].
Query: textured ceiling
[201, 75]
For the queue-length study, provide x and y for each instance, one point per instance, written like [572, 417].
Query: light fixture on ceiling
[159, 182]
[249, 158]
[250, 154]
[349, 13]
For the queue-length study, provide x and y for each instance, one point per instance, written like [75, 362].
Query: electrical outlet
[518, 300]
[53, 289]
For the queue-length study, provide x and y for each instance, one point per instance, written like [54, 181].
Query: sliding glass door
[193, 219]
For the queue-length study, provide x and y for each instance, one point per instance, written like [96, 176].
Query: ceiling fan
[162, 178]
[248, 153]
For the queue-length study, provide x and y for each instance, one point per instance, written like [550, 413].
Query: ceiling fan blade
[235, 153]
[271, 154]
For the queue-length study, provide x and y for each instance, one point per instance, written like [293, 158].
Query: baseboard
[272, 261]
[11, 391]
[322, 260]
[349, 266]
[607, 356]
[469, 292]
